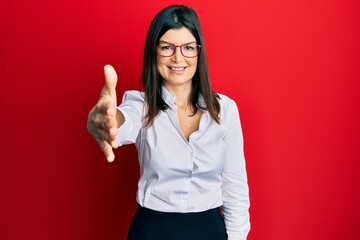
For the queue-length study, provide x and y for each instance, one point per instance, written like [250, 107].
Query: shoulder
[226, 104]
[229, 113]
[133, 100]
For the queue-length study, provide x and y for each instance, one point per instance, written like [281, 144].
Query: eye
[189, 47]
[166, 47]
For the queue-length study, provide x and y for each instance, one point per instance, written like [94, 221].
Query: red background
[293, 67]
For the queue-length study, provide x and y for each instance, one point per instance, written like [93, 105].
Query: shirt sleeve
[235, 189]
[132, 107]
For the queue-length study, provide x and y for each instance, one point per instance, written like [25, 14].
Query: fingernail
[114, 144]
[111, 158]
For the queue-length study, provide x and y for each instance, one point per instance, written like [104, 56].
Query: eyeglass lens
[187, 50]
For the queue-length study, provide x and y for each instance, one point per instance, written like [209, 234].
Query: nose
[177, 57]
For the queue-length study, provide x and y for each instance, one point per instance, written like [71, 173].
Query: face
[177, 70]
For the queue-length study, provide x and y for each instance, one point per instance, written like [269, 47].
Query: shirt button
[189, 176]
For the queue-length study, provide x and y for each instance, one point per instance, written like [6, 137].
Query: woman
[189, 139]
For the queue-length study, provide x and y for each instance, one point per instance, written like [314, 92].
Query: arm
[235, 188]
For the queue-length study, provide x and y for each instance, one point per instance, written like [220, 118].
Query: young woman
[188, 137]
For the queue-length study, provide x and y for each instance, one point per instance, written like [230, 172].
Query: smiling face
[177, 70]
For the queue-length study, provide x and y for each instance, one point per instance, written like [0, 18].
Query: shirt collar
[169, 98]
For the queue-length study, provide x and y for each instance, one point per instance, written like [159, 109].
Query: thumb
[110, 82]
[109, 91]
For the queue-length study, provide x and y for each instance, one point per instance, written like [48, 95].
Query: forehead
[178, 36]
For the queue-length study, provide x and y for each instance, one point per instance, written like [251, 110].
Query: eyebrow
[162, 41]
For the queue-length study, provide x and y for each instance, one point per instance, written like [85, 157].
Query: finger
[113, 131]
[112, 137]
[107, 150]
[106, 123]
[108, 135]
[104, 133]
[111, 110]
[110, 81]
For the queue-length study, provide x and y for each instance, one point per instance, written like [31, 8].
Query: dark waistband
[155, 212]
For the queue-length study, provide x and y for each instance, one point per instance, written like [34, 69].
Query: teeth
[177, 69]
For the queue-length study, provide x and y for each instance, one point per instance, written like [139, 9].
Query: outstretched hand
[102, 120]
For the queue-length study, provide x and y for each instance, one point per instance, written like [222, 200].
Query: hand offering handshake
[104, 119]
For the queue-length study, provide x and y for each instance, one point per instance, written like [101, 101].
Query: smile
[177, 69]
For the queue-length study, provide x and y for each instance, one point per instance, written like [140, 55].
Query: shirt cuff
[124, 132]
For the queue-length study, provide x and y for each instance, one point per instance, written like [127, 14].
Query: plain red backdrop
[292, 66]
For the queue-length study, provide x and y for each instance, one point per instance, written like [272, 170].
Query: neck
[181, 93]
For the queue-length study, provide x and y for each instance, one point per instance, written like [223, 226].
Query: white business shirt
[177, 175]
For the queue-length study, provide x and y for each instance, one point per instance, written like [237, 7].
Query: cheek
[193, 63]
[161, 63]
[161, 68]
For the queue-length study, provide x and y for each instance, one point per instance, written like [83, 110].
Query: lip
[177, 69]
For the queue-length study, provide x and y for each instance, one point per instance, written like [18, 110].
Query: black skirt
[148, 224]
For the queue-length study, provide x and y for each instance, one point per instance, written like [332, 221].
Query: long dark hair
[175, 17]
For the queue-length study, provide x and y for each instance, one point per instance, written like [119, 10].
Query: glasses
[188, 50]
